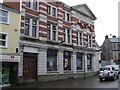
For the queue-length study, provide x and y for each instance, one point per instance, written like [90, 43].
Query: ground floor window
[79, 62]
[51, 60]
[67, 60]
[89, 61]
[5, 73]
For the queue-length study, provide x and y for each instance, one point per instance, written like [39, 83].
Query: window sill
[31, 9]
[80, 70]
[68, 71]
[4, 23]
[3, 47]
[52, 72]
[29, 37]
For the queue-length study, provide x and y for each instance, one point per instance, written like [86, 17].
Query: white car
[108, 72]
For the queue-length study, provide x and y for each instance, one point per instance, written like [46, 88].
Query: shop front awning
[9, 58]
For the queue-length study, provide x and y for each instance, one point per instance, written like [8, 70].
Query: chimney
[113, 36]
[106, 37]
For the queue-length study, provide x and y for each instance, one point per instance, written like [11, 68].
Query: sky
[106, 12]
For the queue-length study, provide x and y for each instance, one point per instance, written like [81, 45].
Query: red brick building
[56, 41]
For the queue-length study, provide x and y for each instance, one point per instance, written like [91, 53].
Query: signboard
[9, 58]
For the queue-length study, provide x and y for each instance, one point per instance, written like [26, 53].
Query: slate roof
[114, 40]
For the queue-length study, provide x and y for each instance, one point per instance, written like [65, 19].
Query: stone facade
[64, 41]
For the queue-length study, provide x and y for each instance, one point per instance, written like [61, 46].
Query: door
[29, 68]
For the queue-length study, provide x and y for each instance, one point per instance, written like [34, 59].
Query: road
[89, 82]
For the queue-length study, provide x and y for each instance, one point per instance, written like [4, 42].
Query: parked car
[108, 72]
[117, 67]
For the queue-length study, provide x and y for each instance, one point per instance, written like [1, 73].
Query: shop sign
[9, 58]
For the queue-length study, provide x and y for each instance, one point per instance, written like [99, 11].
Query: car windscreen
[106, 68]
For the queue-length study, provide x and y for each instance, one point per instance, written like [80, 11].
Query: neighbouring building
[9, 44]
[56, 41]
[97, 61]
[110, 51]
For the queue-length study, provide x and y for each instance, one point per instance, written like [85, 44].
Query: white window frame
[51, 33]
[66, 36]
[65, 18]
[90, 41]
[31, 5]
[30, 28]
[78, 37]
[6, 46]
[51, 10]
[7, 17]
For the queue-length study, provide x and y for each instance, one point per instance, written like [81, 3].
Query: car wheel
[117, 77]
[101, 80]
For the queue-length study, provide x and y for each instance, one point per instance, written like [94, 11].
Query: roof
[3, 6]
[114, 40]
[81, 7]
[97, 47]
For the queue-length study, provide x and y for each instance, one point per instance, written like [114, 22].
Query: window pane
[4, 19]
[63, 15]
[54, 35]
[27, 30]
[34, 31]
[54, 27]
[48, 10]
[48, 26]
[68, 38]
[3, 36]
[68, 18]
[53, 12]
[27, 3]
[48, 34]
[2, 43]
[4, 13]
[27, 20]
[34, 22]
[35, 5]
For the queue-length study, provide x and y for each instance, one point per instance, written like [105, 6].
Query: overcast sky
[106, 12]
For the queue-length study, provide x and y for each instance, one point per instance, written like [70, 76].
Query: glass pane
[4, 19]
[68, 38]
[48, 26]
[54, 35]
[63, 15]
[27, 20]
[51, 64]
[27, 3]
[34, 31]
[48, 34]
[2, 43]
[34, 22]
[3, 36]
[48, 10]
[4, 13]
[68, 17]
[54, 12]
[54, 27]
[35, 5]
[27, 30]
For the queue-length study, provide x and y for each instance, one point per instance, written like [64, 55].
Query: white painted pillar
[85, 62]
[73, 62]
[60, 61]
[42, 62]
[20, 64]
